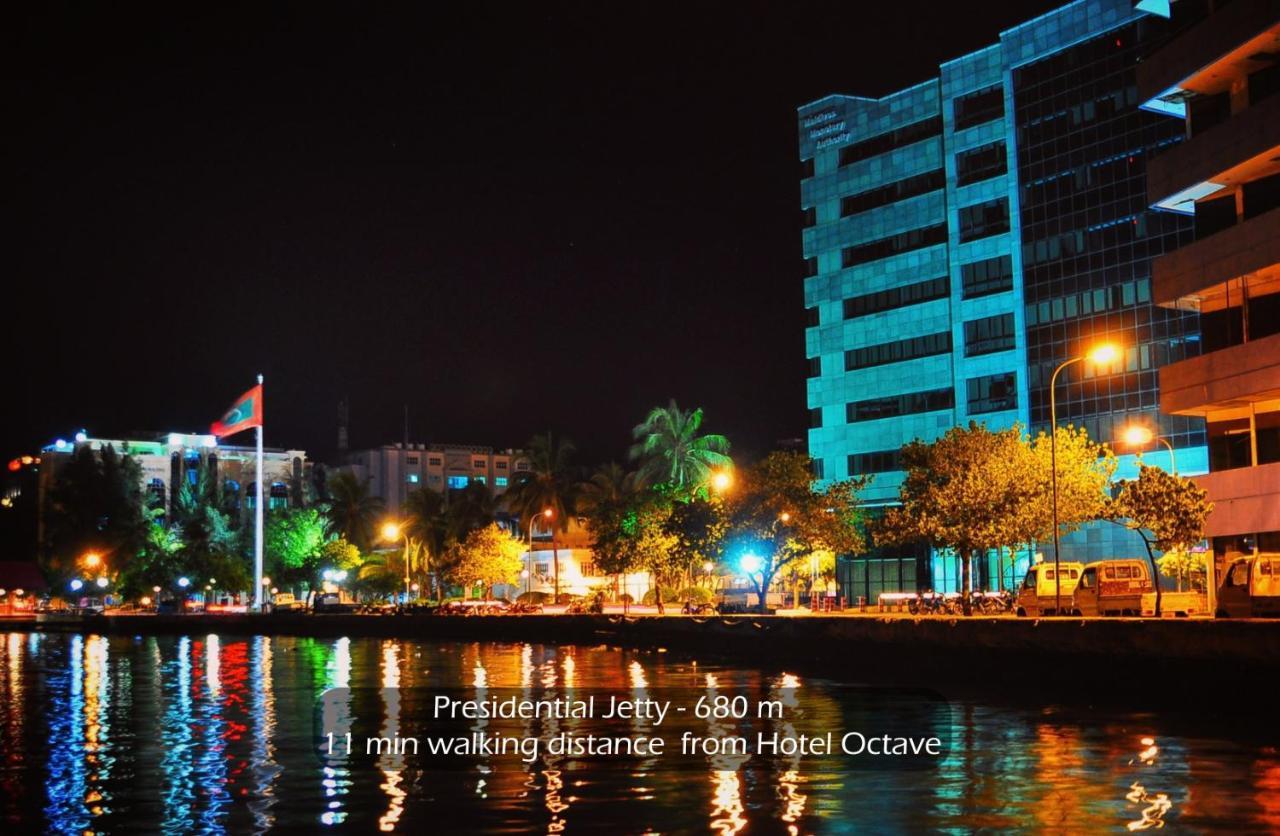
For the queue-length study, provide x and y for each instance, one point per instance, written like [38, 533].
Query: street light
[92, 560]
[721, 481]
[1101, 355]
[547, 514]
[76, 585]
[391, 532]
[184, 582]
[1137, 435]
[102, 583]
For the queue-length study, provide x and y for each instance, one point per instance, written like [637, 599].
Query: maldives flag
[245, 413]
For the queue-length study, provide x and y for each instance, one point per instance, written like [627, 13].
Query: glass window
[434, 461]
[991, 275]
[903, 242]
[457, 483]
[500, 481]
[897, 297]
[881, 461]
[892, 406]
[930, 181]
[896, 352]
[906, 135]
[981, 163]
[992, 393]
[815, 367]
[978, 107]
[987, 335]
[982, 220]
[411, 459]
[413, 479]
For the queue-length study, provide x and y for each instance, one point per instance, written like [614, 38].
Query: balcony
[1245, 500]
[1237, 151]
[1222, 384]
[1198, 272]
[1208, 56]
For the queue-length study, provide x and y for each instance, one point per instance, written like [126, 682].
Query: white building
[393, 470]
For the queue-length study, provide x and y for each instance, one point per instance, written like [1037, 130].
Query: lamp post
[391, 532]
[1100, 355]
[547, 514]
[1139, 436]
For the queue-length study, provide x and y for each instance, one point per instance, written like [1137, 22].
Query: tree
[1167, 511]
[600, 502]
[1180, 564]
[427, 526]
[548, 484]
[1085, 469]
[699, 525]
[352, 511]
[95, 505]
[470, 509]
[293, 541]
[487, 556]
[778, 517]
[670, 450]
[967, 491]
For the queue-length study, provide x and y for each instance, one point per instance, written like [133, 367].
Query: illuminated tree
[1167, 511]
[968, 491]
[776, 514]
[1085, 469]
[1181, 564]
[670, 449]
[352, 512]
[487, 556]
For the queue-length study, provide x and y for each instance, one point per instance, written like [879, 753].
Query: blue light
[750, 563]
[76, 585]
[413, 478]
[82, 437]
[184, 582]
[457, 483]
[500, 481]
[61, 444]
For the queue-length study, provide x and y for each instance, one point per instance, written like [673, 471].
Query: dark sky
[509, 220]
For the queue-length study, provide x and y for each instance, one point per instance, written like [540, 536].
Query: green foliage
[671, 451]
[469, 509]
[1168, 511]
[1085, 469]
[292, 540]
[548, 483]
[95, 505]
[695, 595]
[1181, 565]
[776, 511]
[352, 512]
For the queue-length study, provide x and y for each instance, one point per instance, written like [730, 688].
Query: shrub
[695, 595]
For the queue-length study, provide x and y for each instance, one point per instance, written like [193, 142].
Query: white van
[1113, 587]
[1251, 588]
[1039, 592]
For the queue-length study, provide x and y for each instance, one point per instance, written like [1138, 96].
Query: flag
[244, 414]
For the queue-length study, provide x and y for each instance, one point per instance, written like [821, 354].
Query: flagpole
[257, 525]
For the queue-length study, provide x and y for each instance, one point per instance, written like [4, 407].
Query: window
[433, 479]
[522, 465]
[811, 266]
[881, 461]
[905, 135]
[815, 367]
[411, 459]
[984, 336]
[478, 463]
[457, 483]
[277, 496]
[808, 217]
[811, 317]
[479, 480]
[984, 219]
[892, 406]
[806, 168]
[413, 479]
[500, 481]
[993, 393]
[991, 275]
[897, 297]
[981, 163]
[434, 461]
[896, 352]
[500, 465]
[818, 468]
[978, 107]
[903, 242]
[815, 418]
[920, 184]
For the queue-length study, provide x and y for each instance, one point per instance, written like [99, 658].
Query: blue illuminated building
[964, 236]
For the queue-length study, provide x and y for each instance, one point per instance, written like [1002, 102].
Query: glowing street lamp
[1101, 355]
[391, 532]
[750, 563]
[1138, 436]
[77, 585]
[92, 560]
[102, 583]
[721, 481]
[184, 582]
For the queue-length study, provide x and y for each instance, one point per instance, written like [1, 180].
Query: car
[285, 602]
[90, 606]
[331, 602]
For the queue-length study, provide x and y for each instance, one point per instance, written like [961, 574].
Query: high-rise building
[965, 236]
[1221, 79]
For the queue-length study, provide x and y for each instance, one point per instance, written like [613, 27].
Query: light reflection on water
[213, 734]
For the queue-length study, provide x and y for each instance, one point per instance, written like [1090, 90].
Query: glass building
[963, 237]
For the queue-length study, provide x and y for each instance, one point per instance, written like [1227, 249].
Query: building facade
[1219, 80]
[393, 470]
[965, 236]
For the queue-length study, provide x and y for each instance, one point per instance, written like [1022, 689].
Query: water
[214, 734]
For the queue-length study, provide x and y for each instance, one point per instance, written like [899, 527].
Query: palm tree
[546, 485]
[426, 522]
[600, 496]
[671, 451]
[470, 509]
[352, 511]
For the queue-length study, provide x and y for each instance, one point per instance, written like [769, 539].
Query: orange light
[15, 465]
[93, 560]
[721, 481]
[1137, 435]
[785, 517]
[1104, 355]
[391, 531]
[548, 513]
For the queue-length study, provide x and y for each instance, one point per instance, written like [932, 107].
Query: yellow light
[1137, 435]
[721, 481]
[391, 531]
[266, 581]
[1104, 354]
[548, 513]
[785, 517]
[144, 601]
[93, 560]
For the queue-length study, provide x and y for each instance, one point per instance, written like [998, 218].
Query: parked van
[1251, 588]
[1039, 592]
[285, 602]
[1112, 587]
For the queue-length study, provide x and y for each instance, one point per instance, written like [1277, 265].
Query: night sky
[507, 220]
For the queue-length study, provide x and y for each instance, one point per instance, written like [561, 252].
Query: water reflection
[214, 734]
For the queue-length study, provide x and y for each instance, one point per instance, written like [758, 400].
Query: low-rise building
[393, 470]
